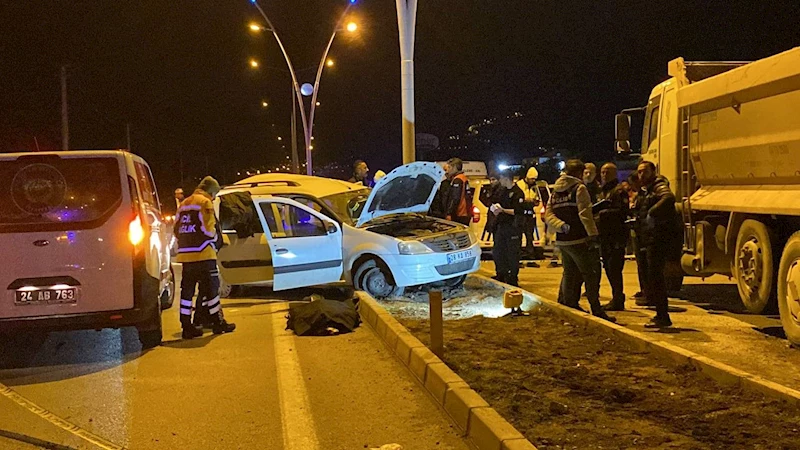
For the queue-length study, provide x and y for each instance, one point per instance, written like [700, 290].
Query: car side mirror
[331, 228]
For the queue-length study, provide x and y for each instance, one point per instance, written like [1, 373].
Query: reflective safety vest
[196, 234]
[565, 206]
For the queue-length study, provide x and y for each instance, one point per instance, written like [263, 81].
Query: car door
[306, 246]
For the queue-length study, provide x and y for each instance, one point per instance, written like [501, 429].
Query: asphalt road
[259, 387]
[708, 319]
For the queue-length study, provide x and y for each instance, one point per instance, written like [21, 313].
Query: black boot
[617, 304]
[658, 322]
[602, 314]
[191, 332]
[223, 327]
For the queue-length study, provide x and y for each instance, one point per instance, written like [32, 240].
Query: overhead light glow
[352, 27]
[503, 166]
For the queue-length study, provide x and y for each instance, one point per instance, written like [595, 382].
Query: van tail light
[476, 214]
[136, 231]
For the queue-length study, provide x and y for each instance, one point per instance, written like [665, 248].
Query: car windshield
[347, 205]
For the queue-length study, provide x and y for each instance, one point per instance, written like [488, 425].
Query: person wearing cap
[531, 201]
[199, 238]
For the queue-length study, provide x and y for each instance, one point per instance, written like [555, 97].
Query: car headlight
[412, 248]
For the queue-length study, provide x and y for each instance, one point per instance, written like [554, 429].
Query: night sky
[177, 72]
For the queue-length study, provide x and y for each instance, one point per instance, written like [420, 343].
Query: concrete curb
[717, 371]
[468, 411]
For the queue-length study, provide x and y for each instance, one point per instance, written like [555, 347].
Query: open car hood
[406, 189]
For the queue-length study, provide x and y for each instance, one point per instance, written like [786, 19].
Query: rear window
[44, 193]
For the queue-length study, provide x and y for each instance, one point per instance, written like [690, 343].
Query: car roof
[283, 183]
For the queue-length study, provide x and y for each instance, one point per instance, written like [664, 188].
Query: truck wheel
[372, 279]
[789, 289]
[150, 334]
[754, 267]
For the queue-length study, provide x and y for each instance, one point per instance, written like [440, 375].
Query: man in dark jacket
[657, 225]
[590, 180]
[613, 233]
[458, 203]
[569, 212]
[360, 172]
[486, 195]
[507, 207]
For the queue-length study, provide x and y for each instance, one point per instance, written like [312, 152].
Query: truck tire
[754, 267]
[789, 289]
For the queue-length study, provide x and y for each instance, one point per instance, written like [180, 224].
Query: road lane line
[299, 431]
[64, 424]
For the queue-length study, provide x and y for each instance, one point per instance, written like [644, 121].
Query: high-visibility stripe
[186, 311]
[186, 303]
[213, 302]
[215, 309]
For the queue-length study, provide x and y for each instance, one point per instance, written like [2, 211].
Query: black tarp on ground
[316, 317]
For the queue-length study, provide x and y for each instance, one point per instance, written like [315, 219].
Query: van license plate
[459, 256]
[38, 296]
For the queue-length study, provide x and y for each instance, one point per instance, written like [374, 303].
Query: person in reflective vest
[197, 232]
[569, 212]
[531, 191]
[458, 206]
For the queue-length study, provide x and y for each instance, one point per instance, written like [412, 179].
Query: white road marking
[299, 431]
[60, 422]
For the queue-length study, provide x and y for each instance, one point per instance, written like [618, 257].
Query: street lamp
[329, 63]
[254, 64]
[308, 122]
[264, 104]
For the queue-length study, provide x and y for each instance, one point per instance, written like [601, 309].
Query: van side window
[147, 186]
[653, 126]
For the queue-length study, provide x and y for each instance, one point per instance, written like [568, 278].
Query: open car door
[306, 246]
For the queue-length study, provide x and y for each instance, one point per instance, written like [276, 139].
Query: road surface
[259, 387]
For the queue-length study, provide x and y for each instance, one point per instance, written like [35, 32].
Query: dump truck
[727, 136]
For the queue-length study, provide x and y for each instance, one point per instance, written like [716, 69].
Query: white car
[321, 231]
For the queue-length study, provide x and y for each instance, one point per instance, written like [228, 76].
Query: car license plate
[38, 296]
[459, 256]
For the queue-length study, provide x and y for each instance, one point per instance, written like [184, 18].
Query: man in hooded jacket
[198, 235]
[569, 212]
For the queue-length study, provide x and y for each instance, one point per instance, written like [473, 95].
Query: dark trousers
[529, 229]
[581, 265]
[655, 288]
[641, 263]
[613, 263]
[507, 241]
[206, 275]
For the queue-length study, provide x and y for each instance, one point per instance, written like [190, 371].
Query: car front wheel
[375, 281]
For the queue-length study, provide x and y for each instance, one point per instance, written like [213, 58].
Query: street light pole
[295, 157]
[322, 61]
[406, 24]
[308, 123]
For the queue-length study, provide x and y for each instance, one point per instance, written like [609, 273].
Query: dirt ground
[473, 298]
[567, 388]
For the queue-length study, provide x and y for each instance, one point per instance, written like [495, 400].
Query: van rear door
[65, 221]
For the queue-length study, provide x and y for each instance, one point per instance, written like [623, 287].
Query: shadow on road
[713, 297]
[32, 358]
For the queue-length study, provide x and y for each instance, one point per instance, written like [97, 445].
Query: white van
[83, 244]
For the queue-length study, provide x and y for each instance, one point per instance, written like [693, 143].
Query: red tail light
[136, 231]
[476, 214]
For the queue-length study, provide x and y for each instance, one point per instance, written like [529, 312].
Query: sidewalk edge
[468, 411]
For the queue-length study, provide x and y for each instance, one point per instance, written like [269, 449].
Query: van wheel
[789, 289]
[168, 296]
[375, 281]
[150, 335]
[754, 267]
